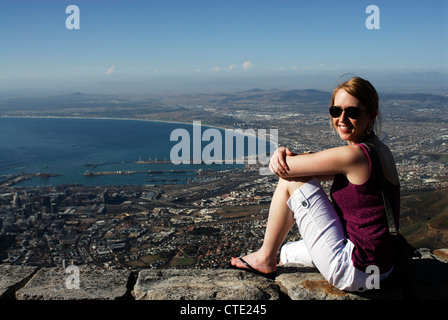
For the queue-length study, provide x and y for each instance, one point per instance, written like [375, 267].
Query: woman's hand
[277, 163]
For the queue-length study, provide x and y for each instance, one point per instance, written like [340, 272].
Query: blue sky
[226, 39]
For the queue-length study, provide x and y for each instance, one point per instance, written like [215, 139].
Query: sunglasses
[351, 112]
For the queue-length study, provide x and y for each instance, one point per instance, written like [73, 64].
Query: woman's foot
[255, 261]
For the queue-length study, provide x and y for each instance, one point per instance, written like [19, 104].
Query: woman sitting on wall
[346, 235]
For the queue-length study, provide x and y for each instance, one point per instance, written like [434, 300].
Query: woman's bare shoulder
[350, 153]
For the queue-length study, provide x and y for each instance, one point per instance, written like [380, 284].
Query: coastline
[250, 157]
[211, 126]
[111, 118]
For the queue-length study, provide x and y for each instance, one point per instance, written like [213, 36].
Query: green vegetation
[442, 158]
[182, 261]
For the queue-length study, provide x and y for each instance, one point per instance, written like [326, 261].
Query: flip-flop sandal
[270, 275]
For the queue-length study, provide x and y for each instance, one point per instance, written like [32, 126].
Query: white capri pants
[323, 243]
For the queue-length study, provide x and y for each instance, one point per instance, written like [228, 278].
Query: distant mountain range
[79, 100]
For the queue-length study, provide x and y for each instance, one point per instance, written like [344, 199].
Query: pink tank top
[361, 210]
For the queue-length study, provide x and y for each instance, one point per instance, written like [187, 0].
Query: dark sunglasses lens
[351, 112]
[335, 112]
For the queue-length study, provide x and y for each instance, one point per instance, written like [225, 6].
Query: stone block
[224, 284]
[12, 278]
[300, 282]
[56, 284]
[441, 254]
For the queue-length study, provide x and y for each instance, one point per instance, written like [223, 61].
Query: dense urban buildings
[205, 222]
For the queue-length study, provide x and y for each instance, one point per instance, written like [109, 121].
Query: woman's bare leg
[280, 221]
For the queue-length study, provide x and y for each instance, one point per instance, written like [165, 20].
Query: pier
[15, 179]
[121, 172]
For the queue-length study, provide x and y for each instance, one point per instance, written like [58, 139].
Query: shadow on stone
[427, 280]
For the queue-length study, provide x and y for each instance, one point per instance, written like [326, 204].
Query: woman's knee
[292, 184]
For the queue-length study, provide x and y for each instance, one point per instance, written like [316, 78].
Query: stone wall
[293, 282]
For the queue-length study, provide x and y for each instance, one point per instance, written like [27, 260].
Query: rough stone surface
[12, 278]
[306, 283]
[441, 254]
[51, 284]
[227, 284]
[429, 280]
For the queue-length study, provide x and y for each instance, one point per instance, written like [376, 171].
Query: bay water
[68, 148]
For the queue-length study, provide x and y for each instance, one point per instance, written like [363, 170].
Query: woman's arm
[349, 160]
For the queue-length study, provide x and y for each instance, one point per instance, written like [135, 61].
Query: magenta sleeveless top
[361, 210]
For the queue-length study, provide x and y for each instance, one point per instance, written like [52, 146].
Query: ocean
[84, 151]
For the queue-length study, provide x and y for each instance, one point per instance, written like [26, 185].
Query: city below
[217, 215]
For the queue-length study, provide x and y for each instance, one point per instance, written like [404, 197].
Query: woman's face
[350, 130]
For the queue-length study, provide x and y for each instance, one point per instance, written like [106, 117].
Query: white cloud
[247, 65]
[110, 70]
[229, 68]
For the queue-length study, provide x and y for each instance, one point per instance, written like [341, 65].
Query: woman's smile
[345, 128]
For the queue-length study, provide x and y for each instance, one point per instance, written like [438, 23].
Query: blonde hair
[362, 90]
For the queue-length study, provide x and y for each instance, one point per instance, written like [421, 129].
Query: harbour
[120, 172]
[131, 154]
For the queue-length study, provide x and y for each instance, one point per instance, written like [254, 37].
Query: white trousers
[323, 243]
